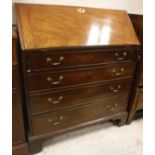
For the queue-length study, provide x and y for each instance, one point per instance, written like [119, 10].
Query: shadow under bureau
[78, 66]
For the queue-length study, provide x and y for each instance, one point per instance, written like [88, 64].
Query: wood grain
[51, 101]
[37, 61]
[41, 26]
[39, 82]
[88, 40]
[19, 145]
[77, 116]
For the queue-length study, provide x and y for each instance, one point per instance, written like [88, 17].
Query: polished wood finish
[76, 73]
[52, 80]
[57, 100]
[39, 61]
[137, 93]
[41, 27]
[18, 133]
[52, 122]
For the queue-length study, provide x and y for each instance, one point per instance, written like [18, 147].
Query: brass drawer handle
[55, 122]
[49, 79]
[55, 102]
[119, 57]
[112, 107]
[49, 60]
[116, 90]
[118, 73]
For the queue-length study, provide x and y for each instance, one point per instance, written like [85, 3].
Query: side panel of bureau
[137, 91]
[19, 145]
[18, 133]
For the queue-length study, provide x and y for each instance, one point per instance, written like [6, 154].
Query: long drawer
[52, 122]
[68, 59]
[51, 80]
[55, 100]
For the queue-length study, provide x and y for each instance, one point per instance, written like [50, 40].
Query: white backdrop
[131, 6]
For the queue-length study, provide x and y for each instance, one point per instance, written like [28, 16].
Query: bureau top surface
[48, 26]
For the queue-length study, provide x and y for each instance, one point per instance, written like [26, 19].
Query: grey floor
[101, 139]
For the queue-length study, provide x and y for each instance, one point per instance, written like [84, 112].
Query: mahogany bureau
[78, 66]
[19, 145]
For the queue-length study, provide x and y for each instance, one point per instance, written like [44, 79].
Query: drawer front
[51, 80]
[62, 99]
[52, 122]
[62, 59]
